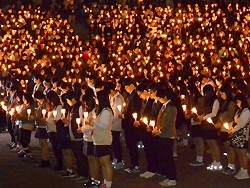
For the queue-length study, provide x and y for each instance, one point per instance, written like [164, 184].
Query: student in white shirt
[102, 136]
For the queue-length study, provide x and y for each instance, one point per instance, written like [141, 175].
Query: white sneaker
[169, 183]
[144, 174]
[210, 167]
[242, 175]
[164, 182]
[114, 161]
[149, 175]
[216, 168]
[119, 165]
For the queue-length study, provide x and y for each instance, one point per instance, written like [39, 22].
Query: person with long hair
[54, 114]
[239, 134]
[102, 136]
[225, 116]
[209, 119]
[87, 129]
[41, 132]
[196, 102]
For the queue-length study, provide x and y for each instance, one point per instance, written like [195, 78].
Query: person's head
[71, 98]
[208, 90]
[241, 101]
[39, 96]
[102, 100]
[53, 98]
[110, 88]
[161, 94]
[226, 92]
[89, 102]
[129, 85]
[141, 90]
[28, 99]
[37, 79]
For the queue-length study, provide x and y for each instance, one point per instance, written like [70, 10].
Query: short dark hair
[162, 93]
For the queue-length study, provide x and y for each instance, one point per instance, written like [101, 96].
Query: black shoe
[88, 183]
[94, 184]
[43, 164]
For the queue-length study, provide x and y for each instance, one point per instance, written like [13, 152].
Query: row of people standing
[220, 115]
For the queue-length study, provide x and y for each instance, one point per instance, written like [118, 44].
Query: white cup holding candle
[28, 112]
[63, 110]
[152, 123]
[119, 108]
[54, 113]
[85, 115]
[209, 120]
[78, 121]
[194, 110]
[145, 120]
[44, 112]
[135, 116]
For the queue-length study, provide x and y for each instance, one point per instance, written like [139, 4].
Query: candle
[145, 120]
[85, 115]
[184, 107]
[44, 112]
[78, 121]
[63, 110]
[28, 112]
[54, 113]
[12, 110]
[226, 126]
[209, 120]
[194, 110]
[152, 123]
[119, 107]
[135, 115]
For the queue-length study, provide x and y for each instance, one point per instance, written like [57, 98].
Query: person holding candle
[239, 134]
[76, 137]
[225, 116]
[55, 106]
[116, 102]
[41, 132]
[146, 129]
[165, 130]
[197, 102]
[87, 129]
[133, 105]
[26, 115]
[102, 136]
[209, 131]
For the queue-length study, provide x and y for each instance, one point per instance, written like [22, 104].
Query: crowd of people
[149, 73]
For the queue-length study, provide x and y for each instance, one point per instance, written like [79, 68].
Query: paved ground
[15, 173]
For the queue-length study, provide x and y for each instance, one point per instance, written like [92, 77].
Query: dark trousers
[11, 129]
[25, 136]
[56, 147]
[166, 160]
[150, 151]
[116, 144]
[132, 139]
[81, 159]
